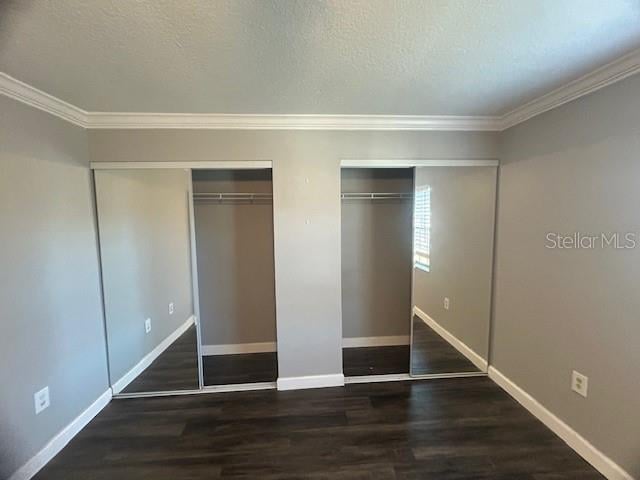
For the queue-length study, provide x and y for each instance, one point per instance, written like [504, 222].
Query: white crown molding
[608, 74]
[105, 120]
[613, 72]
[33, 97]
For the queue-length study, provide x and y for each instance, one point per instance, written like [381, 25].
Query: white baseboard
[311, 381]
[356, 342]
[57, 443]
[231, 349]
[581, 445]
[148, 359]
[456, 343]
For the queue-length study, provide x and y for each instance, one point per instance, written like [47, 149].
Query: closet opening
[233, 226]
[377, 250]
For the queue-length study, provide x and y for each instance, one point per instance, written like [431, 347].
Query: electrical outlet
[147, 325]
[171, 308]
[579, 383]
[446, 303]
[41, 399]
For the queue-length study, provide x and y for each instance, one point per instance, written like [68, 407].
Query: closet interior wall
[376, 258]
[235, 263]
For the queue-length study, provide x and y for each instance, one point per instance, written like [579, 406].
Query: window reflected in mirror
[454, 209]
[422, 228]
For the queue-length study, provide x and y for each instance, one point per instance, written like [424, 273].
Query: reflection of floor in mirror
[459, 428]
[375, 360]
[433, 354]
[240, 368]
[175, 369]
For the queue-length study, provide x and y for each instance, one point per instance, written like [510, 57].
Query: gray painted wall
[462, 226]
[376, 254]
[51, 331]
[575, 168]
[143, 220]
[306, 187]
[235, 259]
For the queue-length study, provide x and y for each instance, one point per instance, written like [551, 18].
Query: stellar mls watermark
[582, 241]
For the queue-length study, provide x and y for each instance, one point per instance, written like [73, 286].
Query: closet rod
[375, 195]
[231, 196]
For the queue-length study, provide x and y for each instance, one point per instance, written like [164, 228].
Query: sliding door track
[236, 387]
[404, 377]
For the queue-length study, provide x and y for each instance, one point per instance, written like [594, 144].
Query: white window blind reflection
[422, 228]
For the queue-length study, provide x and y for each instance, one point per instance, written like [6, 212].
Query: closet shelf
[376, 195]
[225, 197]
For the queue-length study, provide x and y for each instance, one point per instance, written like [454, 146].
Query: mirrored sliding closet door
[144, 230]
[454, 210]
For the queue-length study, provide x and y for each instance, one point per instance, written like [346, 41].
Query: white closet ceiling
[409, 57]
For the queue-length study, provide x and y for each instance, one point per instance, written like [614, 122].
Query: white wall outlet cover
[41, 400]
[171, 308]
[147, 325]
[579, 383]
[446, 303]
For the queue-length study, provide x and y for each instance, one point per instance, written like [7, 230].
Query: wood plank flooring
[433, 429]
[240, 368]
[175, 369]
[433, 354]
[375, 360]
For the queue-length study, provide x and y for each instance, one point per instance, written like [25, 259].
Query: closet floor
[375, 360]
[175, 369]
[240, 368]
[454, 429]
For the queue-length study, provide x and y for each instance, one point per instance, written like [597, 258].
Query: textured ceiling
[438, 57]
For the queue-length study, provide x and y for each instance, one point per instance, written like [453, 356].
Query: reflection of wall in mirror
[462, 207]
[145, 248]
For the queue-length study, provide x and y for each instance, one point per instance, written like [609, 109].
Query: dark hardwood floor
[175, 369]
[452, 429]
[240, 368]
[375, 360]
[432, 354]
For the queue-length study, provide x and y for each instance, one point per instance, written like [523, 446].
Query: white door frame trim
[408, 163]
[194, 165]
